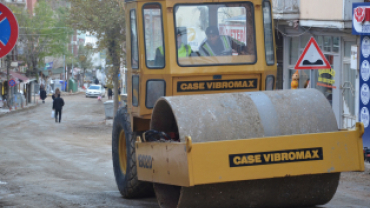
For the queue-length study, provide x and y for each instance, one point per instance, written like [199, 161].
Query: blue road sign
[5, 31]
[12, 83]
[8, 30]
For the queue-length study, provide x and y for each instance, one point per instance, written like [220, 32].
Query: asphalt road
[47, 164]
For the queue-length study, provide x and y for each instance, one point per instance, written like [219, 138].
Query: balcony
[286, 9]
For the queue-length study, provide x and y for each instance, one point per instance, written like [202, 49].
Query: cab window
[153, 34]
[134, 42]
[268, 32]
[215, 34]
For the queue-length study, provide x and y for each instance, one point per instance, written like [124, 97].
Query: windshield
[215, 34]
[94, 88]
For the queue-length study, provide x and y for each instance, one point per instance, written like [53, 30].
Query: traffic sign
[364, 89]
[12, 83]
[361, 18]
[8, 30]
[312, 57]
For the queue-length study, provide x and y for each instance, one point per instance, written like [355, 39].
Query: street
[47, 164]
[69, 164]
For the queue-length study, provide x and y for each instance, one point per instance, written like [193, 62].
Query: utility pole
[65, 70]
[9, 96]
[72, 45]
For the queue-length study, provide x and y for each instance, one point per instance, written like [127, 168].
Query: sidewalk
[6, 111]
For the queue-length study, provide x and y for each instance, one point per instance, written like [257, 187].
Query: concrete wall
[321, 9]
[285, 6]
[334, 10]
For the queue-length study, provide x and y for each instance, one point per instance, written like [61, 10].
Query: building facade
[329, 22]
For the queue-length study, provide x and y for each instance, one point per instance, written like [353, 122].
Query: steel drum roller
[231, 116]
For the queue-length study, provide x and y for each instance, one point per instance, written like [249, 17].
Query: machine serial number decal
[190, 86]
[145, 161]
[265, 158]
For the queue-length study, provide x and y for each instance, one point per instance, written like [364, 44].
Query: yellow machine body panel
[187, 164]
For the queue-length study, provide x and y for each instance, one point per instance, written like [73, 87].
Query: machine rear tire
[124, 161]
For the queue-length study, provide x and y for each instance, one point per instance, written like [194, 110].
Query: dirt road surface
[47, 164]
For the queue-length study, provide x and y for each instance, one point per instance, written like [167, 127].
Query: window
[94, 88]
[327, 44]
[270, 81]
[215, 33]
[320, 41]
[304, 40]
[135, 90]
[153, 34]
[269, 41]
[293, 51]
[134, 41]
[336, 44]
[154, 90]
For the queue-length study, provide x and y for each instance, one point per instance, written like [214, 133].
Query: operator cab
[182, 48]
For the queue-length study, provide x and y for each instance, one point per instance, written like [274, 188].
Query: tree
[85, 59]
[42, 34]
[106, 20]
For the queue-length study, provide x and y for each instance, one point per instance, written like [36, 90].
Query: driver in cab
[183, 49]
[220, 45]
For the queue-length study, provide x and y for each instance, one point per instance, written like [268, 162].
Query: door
[349, 88]
[328, 82]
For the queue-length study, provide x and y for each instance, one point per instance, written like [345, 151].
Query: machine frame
[189, 164]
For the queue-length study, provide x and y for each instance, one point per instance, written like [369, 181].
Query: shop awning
[19, 76]
[29, 80]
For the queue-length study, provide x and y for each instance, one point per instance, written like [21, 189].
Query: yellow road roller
[203, 126]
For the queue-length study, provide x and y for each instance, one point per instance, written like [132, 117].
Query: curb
[19, 110]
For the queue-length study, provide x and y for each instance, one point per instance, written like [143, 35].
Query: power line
[292, 35]
[43, 27]
[44, 34]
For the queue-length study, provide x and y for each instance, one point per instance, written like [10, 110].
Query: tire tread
[128, 185]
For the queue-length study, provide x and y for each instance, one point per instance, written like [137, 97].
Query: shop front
[338, 84]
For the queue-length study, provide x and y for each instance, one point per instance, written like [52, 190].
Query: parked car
[95, 91]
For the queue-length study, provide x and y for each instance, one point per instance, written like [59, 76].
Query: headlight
[154, 90]
[270, 81]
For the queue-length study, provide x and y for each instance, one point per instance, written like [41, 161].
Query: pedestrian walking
[55, 95]
[57, 106]
[110, 93]
[43, 95]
